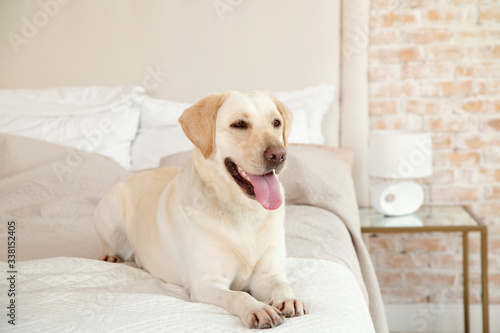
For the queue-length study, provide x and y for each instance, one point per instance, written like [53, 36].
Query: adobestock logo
[30, 28]
[74, 157]
[360, 37]
[408, 164]
[429, 313]
[221, 7]
[154, 77]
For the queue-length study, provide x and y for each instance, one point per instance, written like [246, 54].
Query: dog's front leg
[269, 284]
[274, 288]
[253, 314]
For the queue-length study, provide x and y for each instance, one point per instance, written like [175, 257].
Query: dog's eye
[239, 124]
[277, 123]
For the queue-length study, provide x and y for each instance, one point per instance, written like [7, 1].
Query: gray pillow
[176, 160]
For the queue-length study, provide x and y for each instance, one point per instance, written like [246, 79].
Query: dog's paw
[290, 307]
[265, 316]
[110, 259]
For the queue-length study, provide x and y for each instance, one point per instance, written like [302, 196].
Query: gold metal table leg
[484, 279]
[465, 251]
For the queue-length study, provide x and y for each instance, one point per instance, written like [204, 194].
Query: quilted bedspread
[85, 295]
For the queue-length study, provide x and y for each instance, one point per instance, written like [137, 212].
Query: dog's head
[245, 133]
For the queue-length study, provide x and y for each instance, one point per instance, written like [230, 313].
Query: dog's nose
[275, 154]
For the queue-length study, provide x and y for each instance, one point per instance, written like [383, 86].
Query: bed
[62, 148]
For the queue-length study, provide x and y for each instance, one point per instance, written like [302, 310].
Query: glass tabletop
[426, 216]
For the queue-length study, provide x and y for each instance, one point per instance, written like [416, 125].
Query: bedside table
[438, 219]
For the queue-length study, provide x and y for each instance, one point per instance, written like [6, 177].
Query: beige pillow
[346, 154]
[176, 160]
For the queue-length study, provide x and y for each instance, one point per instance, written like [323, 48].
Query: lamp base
[397, 199]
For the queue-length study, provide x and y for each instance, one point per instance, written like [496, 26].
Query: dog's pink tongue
[267, 190]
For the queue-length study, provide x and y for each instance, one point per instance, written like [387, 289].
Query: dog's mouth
[263, 188]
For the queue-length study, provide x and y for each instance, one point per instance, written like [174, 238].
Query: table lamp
[397, 156]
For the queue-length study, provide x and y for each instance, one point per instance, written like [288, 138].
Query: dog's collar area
[245, 184]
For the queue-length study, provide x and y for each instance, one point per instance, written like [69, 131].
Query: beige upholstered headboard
[185, 49]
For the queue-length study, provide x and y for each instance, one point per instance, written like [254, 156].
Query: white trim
[438, 318]
[354, 120]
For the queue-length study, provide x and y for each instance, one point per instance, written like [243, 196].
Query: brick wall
[435, 65]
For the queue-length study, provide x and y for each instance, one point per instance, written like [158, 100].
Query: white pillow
[152, 144]
[43, 101]
[160, 134]
[103, 120]
[308, 107]
[160, 113]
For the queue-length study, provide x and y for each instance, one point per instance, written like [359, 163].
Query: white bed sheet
[82, 295]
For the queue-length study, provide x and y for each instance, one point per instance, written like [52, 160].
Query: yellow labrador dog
[215, 226]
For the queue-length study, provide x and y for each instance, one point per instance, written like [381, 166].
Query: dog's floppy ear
[287, 116]
[198, 122]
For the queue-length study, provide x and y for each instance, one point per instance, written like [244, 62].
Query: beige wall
[194, 47]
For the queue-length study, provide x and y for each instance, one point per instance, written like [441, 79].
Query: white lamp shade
[400, 154]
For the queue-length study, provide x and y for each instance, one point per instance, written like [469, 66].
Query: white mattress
[83, 295]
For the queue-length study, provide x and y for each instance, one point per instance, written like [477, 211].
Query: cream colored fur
[196, 227]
